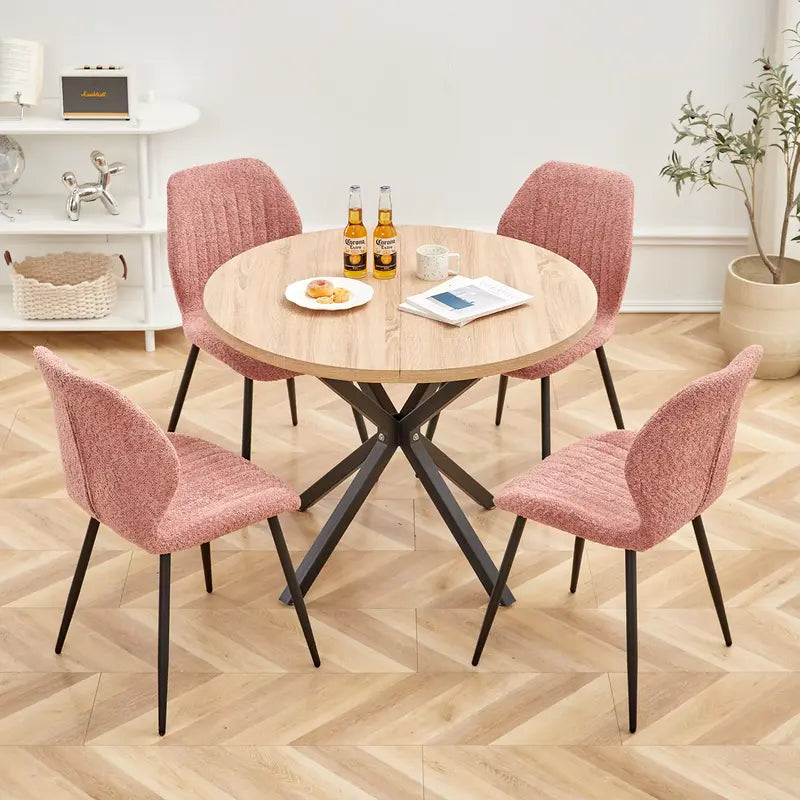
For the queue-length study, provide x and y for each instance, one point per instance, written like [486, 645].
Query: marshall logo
[95, 96]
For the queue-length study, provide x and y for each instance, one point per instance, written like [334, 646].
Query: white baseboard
[670, 307]
[690, 237]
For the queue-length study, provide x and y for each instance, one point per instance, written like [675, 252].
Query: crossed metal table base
[397, 430]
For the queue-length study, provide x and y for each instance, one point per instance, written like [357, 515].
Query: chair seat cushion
[600, 333]
[200, 333]
[582, 490]
[218, 492]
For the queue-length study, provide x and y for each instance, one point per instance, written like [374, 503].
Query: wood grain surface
[377, 342]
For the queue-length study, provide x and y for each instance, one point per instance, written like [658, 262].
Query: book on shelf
[21, 64]
[461, 300]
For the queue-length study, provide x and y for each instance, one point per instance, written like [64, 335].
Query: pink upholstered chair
[162, 492]
[215, 212]
[632, 490]
[584, 214]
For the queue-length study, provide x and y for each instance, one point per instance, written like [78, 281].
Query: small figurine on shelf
[86, 192]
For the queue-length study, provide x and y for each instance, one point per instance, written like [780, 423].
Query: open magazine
[461, 300]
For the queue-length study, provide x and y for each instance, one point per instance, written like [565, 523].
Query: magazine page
[462, 300]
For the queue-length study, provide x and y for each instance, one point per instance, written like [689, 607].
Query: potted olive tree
[761, 303]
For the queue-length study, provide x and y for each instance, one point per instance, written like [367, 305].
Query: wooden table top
[378, 343]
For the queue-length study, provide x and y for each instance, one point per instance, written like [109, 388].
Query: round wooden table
[355, 351]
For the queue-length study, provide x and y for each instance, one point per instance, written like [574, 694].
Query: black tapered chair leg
[163, 640]
[294, 587]
[290, 388]
[577, 555]
[362, 428]
[545, 382]
[711, 577]
[77, 581]
[177, 407]
[499, 588]
[610, 390]
[247, 417]
[631, 636]
[501, 399]
[205, 555]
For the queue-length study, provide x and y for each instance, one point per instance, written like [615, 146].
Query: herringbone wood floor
[396, 711]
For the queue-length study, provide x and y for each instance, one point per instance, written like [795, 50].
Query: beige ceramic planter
[756, 311]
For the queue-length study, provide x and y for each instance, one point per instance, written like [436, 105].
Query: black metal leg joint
[397, 429]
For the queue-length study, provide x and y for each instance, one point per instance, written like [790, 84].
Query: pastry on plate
[326, 299]
[341, 295]
[320, 288]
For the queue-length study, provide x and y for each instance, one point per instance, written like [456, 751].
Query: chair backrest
[217, 211]
[584, 214]
[678, 463]
[119, 466]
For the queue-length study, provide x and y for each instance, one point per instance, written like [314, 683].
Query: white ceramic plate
[360, 293]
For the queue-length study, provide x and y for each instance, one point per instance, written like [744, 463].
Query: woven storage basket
[65, 285]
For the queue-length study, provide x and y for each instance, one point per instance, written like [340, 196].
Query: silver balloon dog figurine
[86, 192]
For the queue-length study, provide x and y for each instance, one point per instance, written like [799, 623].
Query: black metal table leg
[380, 395]
[417, 453]
[460, 476]
[422, 391]
[342, 471]
[333, 530]
[397, 429]
[360, 426]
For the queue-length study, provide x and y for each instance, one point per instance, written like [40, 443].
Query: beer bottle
[355, 238]
[384, 240]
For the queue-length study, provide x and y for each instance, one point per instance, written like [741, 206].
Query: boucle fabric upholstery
[584, 214]
[198, 331]
[215, 212]
[161, 492]
[632, 490]
[219, 492]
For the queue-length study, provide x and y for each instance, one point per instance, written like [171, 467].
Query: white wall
[453, 103]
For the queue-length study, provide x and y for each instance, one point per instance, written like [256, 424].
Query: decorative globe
[12, 162]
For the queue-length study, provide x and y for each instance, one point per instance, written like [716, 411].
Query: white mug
[433, 262]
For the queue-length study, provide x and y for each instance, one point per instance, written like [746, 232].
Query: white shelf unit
[128, 314]
[147, 308]
[44, 215]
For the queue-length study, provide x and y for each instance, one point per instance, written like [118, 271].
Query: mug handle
[458, 264]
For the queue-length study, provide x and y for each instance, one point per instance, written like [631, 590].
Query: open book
[461, 300]
[20, 71]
